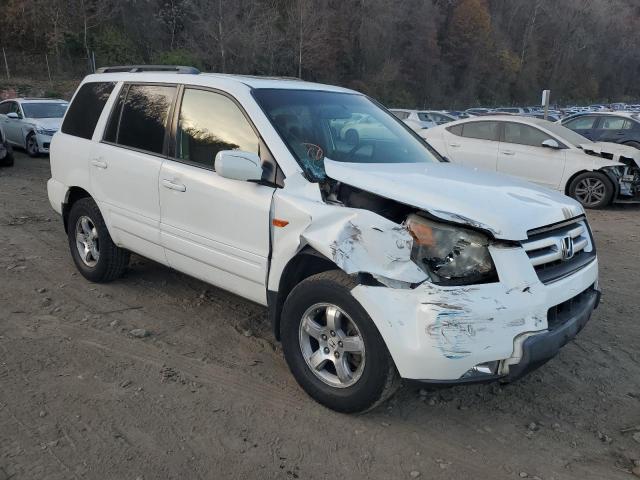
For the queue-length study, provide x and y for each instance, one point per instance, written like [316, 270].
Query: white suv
[30, 123]
[377, 260]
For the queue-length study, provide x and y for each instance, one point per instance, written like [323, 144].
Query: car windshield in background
[343, 127]
[566, 134]
[44, 110]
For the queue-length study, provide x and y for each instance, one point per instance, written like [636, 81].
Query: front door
[522, 155]
[214, 228]
[125, 167]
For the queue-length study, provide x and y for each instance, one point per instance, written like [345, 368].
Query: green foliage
[177, 57]
[114, 47]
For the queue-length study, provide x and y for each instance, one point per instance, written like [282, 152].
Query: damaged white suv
[377, 259]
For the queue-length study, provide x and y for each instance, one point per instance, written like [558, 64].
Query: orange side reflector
[279, 223]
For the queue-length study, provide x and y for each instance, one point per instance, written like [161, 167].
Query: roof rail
[149, 68]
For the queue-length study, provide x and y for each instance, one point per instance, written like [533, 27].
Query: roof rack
[149, 68]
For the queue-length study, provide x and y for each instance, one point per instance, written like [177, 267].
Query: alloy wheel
[590, 191]
[32, 145]
[332, 345]
[87, 241]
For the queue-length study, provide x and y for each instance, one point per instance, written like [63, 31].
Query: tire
[372, 377]
[31, 145]
[9, 159]
[592, 189]
[352, 137]
[85, 220]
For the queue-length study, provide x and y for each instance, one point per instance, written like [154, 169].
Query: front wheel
[96, 256]
[592, 189]
[332, 346]
[32, 145]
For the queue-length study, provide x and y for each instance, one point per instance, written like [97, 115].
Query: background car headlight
[449, 254]
[45, 131]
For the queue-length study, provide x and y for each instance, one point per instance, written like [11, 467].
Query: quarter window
[210, 122]
[85, 110]
[143, 122]
[524, 134]
[481, 130]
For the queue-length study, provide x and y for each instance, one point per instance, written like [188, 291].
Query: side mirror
[238, 165]
[13, 115]
[551, 143]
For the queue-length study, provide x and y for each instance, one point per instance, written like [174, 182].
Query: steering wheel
[357, 147]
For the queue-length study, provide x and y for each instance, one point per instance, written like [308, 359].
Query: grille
[558, 251]
[558, 315]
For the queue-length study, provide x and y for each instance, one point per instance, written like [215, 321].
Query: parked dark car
[618, 127]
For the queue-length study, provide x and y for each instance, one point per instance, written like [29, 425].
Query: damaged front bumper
[452, 335]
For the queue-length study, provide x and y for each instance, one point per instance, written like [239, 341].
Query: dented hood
[614, 149]
[505, 206]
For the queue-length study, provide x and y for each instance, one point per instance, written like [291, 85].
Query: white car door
[214, 228]
[473, 144]
[522, 155]
[125, 167]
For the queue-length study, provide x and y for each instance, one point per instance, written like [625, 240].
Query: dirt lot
[208, 395]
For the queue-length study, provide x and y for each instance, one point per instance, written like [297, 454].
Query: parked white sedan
[545, 153]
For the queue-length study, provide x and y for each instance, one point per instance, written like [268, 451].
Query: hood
[614, 150]
[46, 123]
[503, 205]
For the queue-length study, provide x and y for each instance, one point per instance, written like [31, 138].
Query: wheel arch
[603, 171]
[305, 263]
[72, 196]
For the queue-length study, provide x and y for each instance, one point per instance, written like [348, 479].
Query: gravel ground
[203, 392]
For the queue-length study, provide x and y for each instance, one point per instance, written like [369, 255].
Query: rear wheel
[96, 256]
[32, 145]
[332, 346]
[592, 189]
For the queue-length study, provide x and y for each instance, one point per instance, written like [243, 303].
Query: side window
[524, 134]
[85, 110]
[614, 123]
[481, 130]
[4, 108]
[210, 122]
[455, 129]
[581, 123]
[143, 122]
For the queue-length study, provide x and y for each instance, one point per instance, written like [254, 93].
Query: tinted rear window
[86, 108]
[481, 130]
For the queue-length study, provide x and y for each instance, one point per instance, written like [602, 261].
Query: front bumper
[44, 142]
[539, 349]
[439, 334]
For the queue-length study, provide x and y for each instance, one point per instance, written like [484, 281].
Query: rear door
[612, 128]
[125, 166]
[474, 144]
[522, 155]
[214, 228]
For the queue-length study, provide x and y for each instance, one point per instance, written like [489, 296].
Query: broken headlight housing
[449, 254]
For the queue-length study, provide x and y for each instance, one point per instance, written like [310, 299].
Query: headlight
[44, 131]
[449, 254]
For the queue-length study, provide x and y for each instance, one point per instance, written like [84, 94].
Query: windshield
[343, 127]
[44, 110]
[566, 134]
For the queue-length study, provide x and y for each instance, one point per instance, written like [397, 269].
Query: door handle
[454, 144]
[178, 187]
[508, 152]
[96, 162]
